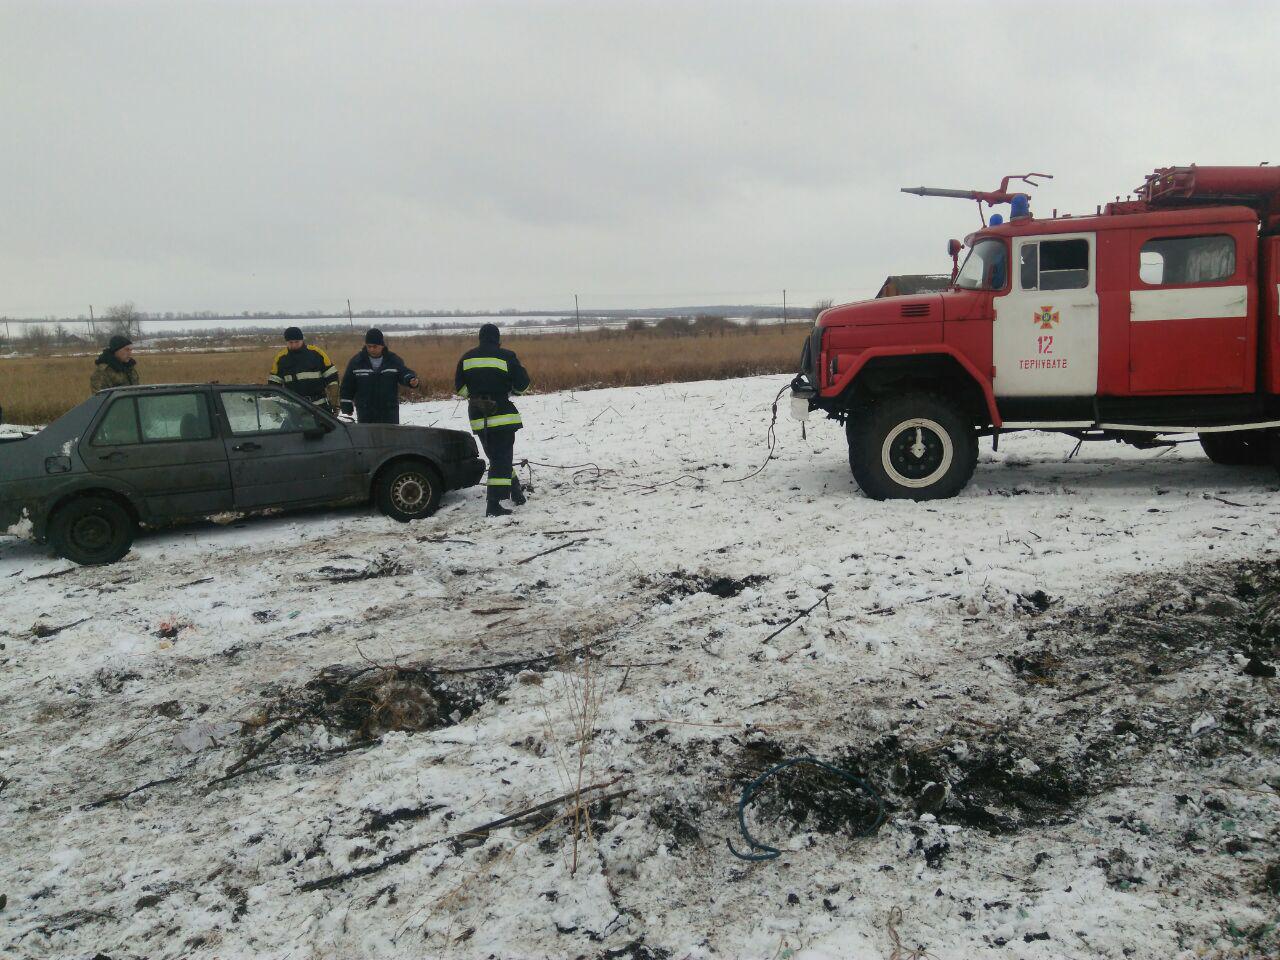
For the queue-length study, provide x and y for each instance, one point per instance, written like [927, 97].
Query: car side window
[264, 411]
[120, 426]
[174, 416]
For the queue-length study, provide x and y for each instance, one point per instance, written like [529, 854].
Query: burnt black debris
[373, 700]
[1035, 602]
[680, 584]
[381, 566]
[1256, 668]
[677, 820]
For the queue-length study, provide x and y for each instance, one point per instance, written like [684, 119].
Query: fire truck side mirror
[953, 248]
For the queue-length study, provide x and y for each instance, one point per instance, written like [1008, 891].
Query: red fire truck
[1153, 317]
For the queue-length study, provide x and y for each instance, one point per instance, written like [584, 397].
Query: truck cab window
[1173, 260]
[1055, 265]
[986, 267]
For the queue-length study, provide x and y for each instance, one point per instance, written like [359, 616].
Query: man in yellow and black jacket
[487, 375]
[306, 370]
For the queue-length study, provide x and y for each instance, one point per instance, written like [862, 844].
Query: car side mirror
[317, 432]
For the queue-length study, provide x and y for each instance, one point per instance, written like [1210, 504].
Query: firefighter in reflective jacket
[487, 376]
[306, 370]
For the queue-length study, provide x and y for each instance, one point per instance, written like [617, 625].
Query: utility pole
[576, 313]
[93, 327]
[784, 309]
[350, 319]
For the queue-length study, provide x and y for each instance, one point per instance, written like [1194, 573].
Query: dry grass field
[36, 390]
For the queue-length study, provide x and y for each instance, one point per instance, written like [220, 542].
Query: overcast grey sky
[238, 155]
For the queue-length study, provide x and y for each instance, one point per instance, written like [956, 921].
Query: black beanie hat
[118, 342]
[374, 336]
[293, 333]
[489, 333]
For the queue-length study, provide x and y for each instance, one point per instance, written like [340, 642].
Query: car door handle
[116, 455]
[250, 445]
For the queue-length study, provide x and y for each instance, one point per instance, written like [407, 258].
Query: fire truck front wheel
[915, 446]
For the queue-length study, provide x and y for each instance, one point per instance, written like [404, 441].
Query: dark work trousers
[499, 450]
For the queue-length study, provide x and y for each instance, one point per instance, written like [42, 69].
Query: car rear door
[164, 446]
[282, 452]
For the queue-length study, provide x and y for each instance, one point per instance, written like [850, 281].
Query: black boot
[496, 509]
[517, 492]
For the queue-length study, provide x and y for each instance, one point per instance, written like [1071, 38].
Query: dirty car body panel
[182, 451]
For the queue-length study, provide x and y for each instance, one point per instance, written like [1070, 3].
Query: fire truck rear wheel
[912, 447]
[1244, 448]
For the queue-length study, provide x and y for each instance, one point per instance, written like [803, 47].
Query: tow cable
[752, 788]
[773, 435]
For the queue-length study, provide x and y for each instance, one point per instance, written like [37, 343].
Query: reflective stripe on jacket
[307, 371]
[376, 393]
[487, 375]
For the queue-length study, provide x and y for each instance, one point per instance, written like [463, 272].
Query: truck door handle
[249, 445]
[113, 456]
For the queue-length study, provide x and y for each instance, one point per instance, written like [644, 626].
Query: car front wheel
[408, 490]
[911, 447]
[91, 530]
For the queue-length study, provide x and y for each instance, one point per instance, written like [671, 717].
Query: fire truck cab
[1154, 317]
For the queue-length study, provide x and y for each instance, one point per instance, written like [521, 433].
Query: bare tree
[820, 306]
[124, 320]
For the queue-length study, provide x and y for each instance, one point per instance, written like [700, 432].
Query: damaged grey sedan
[149, 456]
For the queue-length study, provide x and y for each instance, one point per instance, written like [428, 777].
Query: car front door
[1045, 336]
[283, 452]
[163, 446]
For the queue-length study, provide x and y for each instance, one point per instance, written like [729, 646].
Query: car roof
[155, 387]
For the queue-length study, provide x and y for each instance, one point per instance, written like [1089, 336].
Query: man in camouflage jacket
[115, 366]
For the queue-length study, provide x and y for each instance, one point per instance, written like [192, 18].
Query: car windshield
[986, 267]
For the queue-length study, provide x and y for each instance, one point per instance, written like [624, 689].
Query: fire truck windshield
[986, 267]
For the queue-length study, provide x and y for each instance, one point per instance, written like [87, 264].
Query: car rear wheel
[912, 447]
[408, 490]
[1245, 448]
[91, 530]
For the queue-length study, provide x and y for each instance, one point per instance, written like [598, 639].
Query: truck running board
[1134, 427]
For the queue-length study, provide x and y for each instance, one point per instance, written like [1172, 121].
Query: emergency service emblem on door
[1046, 317]
[1045, 335]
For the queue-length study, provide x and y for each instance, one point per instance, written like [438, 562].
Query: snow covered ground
[1043, 677]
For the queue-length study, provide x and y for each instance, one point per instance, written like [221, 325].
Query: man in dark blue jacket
[371, 385]
[487, 375]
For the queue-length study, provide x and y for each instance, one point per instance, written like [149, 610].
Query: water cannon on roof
[1018, 200]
